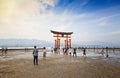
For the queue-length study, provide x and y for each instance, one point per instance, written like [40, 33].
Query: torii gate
[59, 35]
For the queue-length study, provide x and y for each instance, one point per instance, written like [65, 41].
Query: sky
[89, 20]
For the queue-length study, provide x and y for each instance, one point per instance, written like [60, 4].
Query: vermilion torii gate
[59, 35]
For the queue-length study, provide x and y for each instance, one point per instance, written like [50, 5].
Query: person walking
[107, 52]
[84, 52]
[66, 51]
[74, 52]
[6, 51]
[44, 52]
[70, 51]
[2, 51]
[35, 54]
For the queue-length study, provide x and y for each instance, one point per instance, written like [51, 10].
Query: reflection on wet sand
[19, 64]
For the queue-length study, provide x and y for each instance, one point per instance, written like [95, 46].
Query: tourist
[63, 50]
[107, 52]
[44, 52]
[74, 52]
[55, 50]
[70, 51]
[66, 51]
[84, 52]
[35, 54]
[6, 51]
[2, 50]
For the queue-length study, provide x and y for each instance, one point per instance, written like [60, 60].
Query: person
[44, 52]
[55, 50]
[70, 51]
[74, 52]
[84, 52]
[66, 51]
[2, 50]
[107, 52]
[63, 51]
[35, 54]
[6, 51]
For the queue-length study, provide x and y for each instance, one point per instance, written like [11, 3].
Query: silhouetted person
[26, 49]
[107, 52]
[6, 51]
[63, 50]
[70, 51]
[66, 51]
[55, 50]
[35, 54]
[84, 52]
[44, 52]
[2, 50]
[74, 52]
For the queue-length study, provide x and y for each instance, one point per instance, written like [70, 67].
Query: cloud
[22, 18]
[31, 19]
[85, 2]
[105, 20]
[12, 8]
[35, 26]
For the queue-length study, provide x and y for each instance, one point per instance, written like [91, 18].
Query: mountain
[23, 43]
[95, 44]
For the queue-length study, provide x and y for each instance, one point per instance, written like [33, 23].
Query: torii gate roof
[65, 33]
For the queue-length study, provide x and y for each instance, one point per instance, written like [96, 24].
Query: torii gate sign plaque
[59, 35]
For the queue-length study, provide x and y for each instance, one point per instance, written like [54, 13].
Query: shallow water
[19, 64]
[21, 54]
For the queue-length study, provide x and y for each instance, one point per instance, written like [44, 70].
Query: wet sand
[20, 65]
